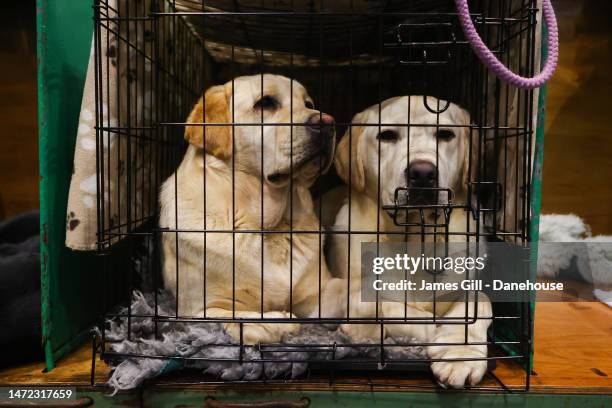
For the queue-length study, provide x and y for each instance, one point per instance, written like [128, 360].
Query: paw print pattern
[87, 133]
[109, 143]
[71, 222]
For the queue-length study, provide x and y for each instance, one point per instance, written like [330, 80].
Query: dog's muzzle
[421, 193]
[321, 127]
[422, 180]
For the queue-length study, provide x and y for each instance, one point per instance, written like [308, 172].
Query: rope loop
[501, 71]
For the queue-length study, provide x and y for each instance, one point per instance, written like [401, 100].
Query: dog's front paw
[458, 374]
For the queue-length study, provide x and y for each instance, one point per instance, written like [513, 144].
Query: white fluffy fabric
[558, 228]
[566, 242]
[562, 228]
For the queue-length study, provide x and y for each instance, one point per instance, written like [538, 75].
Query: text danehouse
[467, 284]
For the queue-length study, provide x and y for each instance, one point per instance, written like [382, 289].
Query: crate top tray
[303, 32]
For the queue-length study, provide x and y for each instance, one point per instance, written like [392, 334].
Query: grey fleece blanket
[209, 341]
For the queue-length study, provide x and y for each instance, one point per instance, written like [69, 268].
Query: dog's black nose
[321, 124]
[422, 173]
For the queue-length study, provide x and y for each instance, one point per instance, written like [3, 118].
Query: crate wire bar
[155, 59]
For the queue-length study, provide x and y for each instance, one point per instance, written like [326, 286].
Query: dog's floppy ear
[468, 156]
[348, 156]
[216, 140]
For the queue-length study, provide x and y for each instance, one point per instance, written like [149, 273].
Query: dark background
[18, 121]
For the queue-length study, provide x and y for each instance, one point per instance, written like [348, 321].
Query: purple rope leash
[502, 72]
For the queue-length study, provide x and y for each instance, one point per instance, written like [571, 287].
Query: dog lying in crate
[205, 193]
[255, 175]
[432, 160]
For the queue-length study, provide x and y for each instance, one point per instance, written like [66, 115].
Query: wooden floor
[573, 346]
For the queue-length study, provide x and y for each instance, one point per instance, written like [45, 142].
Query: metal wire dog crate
[349, 55]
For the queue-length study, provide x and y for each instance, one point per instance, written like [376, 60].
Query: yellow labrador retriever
[435, 156]
[236, 180]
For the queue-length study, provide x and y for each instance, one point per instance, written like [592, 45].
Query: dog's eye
[267, 102]
[387, 136]
[445, 134]
[309, 105]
